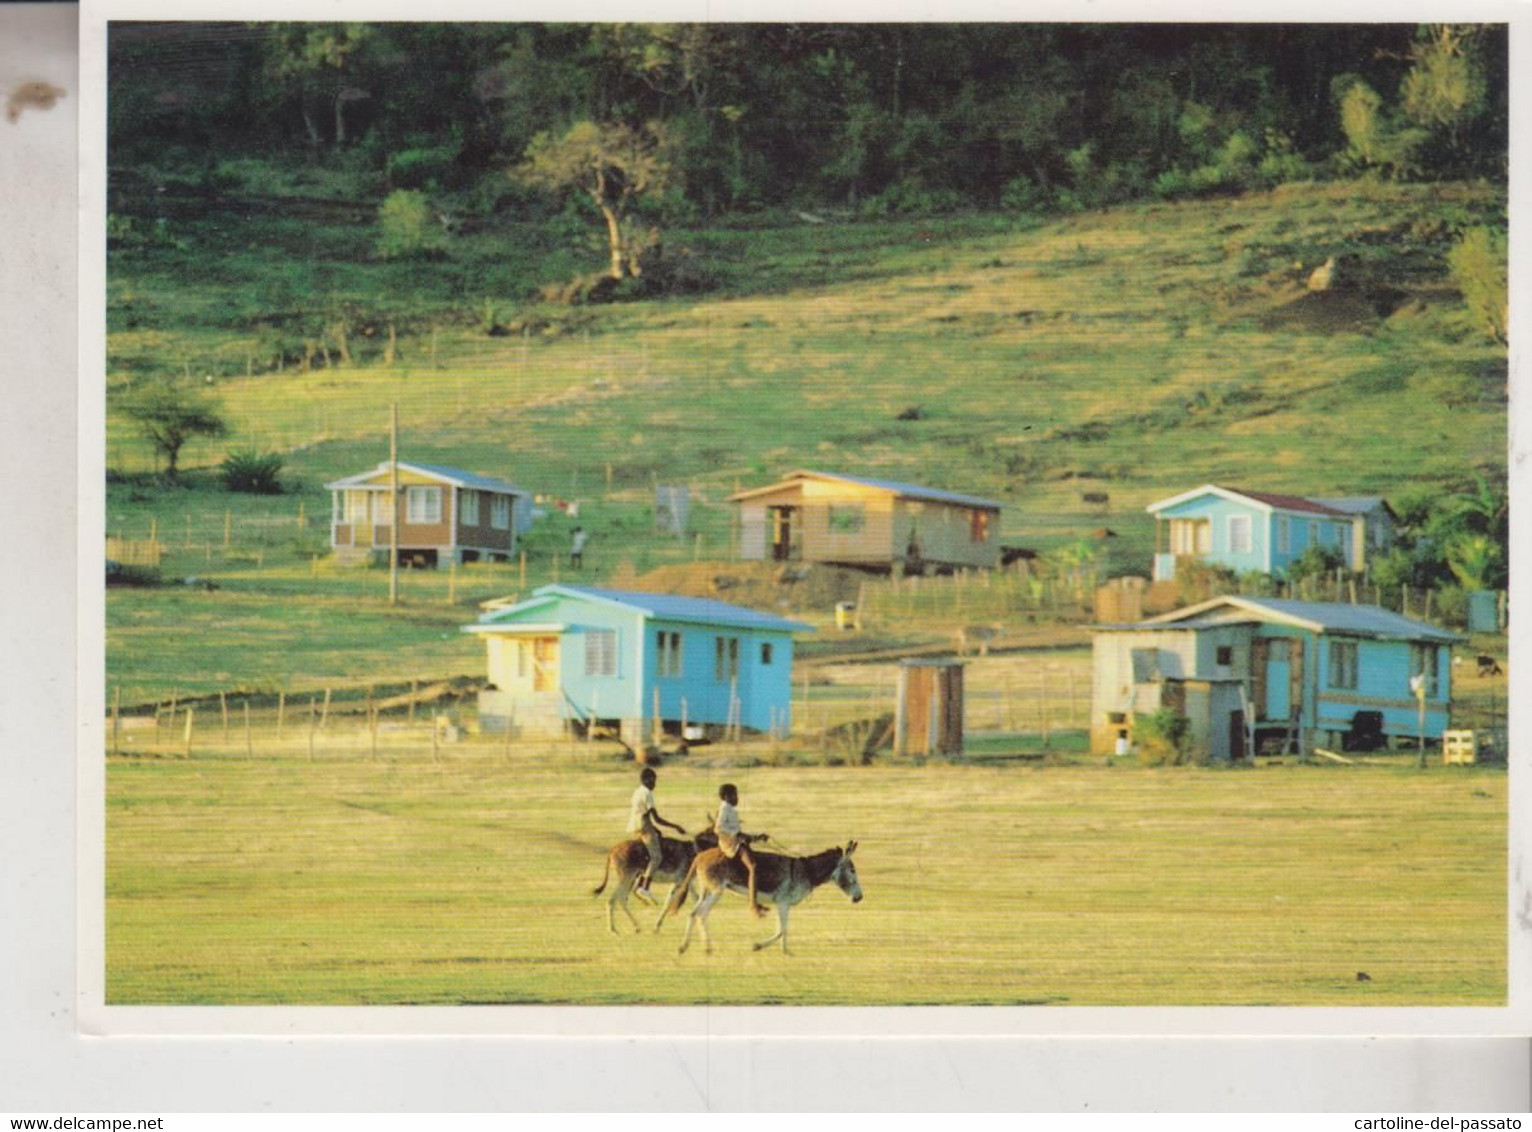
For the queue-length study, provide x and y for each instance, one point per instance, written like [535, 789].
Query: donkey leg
[781, 932]
[659, 921]
[698, 918]
[620, 894]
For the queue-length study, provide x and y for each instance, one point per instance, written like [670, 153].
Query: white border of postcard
[98, 1019]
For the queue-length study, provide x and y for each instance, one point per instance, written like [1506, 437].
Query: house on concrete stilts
[1295, 674]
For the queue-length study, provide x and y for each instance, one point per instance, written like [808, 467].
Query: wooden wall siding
[946, 534]
[822, 543]
[484, 536]
[929, 712]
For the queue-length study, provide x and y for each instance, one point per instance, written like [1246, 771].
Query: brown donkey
[628, 859]
[780, 881]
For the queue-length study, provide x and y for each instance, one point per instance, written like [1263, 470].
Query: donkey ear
[850, 848]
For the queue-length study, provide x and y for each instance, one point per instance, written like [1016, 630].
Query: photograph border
[662, 1023]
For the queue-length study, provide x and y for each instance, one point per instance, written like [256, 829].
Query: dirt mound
[758, 585]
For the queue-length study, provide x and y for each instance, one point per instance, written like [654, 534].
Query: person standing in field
[734, 843]
[577, 548]
[644, 821]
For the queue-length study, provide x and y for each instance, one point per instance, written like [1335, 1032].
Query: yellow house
[872, 524]
[444, 515]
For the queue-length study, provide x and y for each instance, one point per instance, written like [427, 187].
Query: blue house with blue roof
[570, 658]
[867, 523]
[1298, 673]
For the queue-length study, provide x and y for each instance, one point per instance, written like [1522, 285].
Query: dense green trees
[879, 117]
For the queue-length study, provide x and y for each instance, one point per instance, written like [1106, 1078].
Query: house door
[786, 539]
[1279, 675]
[545, 664]
[1236, 734]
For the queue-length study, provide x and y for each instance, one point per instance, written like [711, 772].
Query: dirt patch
[757, 585]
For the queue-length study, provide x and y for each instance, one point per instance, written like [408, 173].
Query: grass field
[468, 881]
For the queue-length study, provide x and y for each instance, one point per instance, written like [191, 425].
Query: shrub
[1160, 737]
[406, 225]
[1480, 271]
[1316, 562]
[252, 473]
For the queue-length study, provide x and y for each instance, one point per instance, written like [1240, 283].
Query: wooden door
[784, 535]
[545, 664]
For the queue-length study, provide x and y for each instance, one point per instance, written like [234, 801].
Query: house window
[847, 519]
[422, 504]
[1239, 534]
[1224, 657]
[1423, 661]
[601, 652]
[725, 658]
[500, 512]
[1343, 664]
[470, 508]
[765, 653]
[1284, 534]
[668, 660]
[356, 506]
[978, 525]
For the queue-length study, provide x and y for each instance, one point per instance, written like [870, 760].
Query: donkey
[629, 859]
[779, 880]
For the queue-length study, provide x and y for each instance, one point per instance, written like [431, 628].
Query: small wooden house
[444, 515]
[574, 657]
[1245, 669]
[1265, 532]
[872, 524]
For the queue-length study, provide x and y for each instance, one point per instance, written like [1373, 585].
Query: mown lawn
[234, 881]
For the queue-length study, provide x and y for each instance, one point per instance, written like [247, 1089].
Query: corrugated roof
[1355, 504]
[909, 490]
[468, 479]
[458, 476]
[671, 607]
[1325, 616]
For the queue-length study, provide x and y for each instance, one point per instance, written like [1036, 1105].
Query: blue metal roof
[454, 475]
[913, 491]
[467, 479]
[1324, 616]
[1364, 620]
[670, 607]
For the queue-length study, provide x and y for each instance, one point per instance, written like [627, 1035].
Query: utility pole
[393, 502]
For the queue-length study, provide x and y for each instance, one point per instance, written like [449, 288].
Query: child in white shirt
[734, 843]
[643, 819]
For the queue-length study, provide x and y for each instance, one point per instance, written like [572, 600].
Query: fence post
[1043, 674]
[223, 707]
[249, 741]
[186, 746]
[281, 711]
[117, 720]
[312, 724]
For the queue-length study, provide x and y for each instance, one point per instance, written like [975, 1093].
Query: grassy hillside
[1134, 352]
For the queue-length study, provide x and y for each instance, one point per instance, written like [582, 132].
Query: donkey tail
[605, 876]
[678, 894]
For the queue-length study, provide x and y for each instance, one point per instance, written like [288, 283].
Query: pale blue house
[1265, 532]
[569, 657]
[1301, 673]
